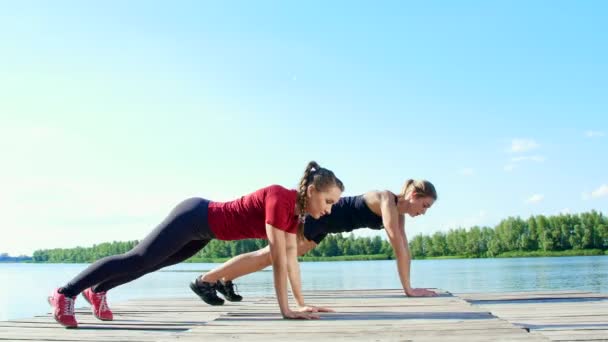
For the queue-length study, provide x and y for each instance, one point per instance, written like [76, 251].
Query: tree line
[536, 234]
[4, 257]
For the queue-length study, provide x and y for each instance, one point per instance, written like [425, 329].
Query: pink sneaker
[63, 309]
[99, 304]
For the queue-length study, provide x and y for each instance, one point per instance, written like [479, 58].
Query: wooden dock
[362, 315]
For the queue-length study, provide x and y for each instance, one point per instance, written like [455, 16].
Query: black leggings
[183, 233]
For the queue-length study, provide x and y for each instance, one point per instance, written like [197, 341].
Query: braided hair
[321, 178]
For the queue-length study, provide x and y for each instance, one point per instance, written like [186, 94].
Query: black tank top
[348, 214]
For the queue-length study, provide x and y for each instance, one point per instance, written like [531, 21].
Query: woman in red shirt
[272, 212]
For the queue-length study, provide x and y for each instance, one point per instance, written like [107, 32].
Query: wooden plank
[361, 315]
[531, 296]
[454, 335]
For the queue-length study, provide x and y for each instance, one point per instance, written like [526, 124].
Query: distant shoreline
[516, 254]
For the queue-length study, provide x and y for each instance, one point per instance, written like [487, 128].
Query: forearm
[278, 254]
[403, 259]
[395, 229]
[295, 281]
[279, 270]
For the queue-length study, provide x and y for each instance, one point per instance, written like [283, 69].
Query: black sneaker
[227, 290]
[207, 292]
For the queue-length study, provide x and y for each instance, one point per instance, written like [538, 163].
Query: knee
[264, 257]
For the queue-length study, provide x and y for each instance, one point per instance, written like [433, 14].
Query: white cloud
[467, 171]
[565, 211]
[535, 198]
[519, 146]
[522, 145]
[538, 159]
[600, 192]
[593, 134]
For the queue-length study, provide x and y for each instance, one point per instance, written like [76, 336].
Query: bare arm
[295, 281]
[283, 248]
[293, 270]
[394, 224]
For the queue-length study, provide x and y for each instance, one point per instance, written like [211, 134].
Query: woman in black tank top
[374, 209]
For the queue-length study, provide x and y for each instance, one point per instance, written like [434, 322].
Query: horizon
[3, 254]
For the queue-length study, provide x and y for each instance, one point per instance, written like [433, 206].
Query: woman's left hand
[310, 308]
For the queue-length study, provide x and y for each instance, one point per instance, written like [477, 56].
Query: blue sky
[112, 112]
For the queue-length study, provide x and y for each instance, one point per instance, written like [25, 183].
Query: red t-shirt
[246, 217]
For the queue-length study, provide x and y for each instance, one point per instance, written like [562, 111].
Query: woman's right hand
[299, 315]
[420, 293]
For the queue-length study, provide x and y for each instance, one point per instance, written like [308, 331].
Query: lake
[25, 287]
